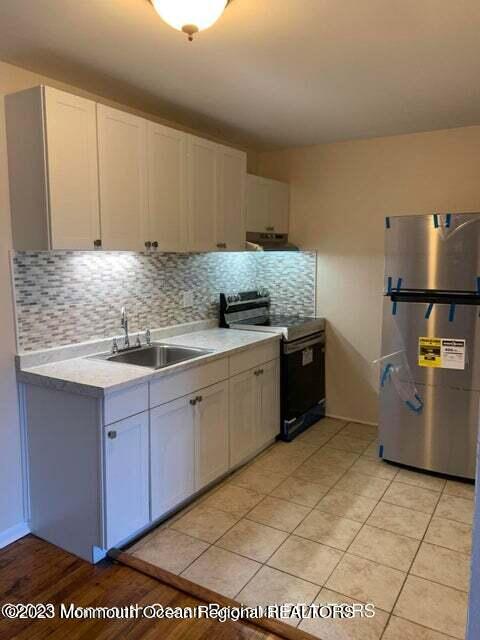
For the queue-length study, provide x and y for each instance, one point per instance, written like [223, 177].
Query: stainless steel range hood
[269, 242]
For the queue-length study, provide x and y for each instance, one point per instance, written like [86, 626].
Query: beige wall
[11, 505]
[340, 195]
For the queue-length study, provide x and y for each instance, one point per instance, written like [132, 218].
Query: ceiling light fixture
[190, 16]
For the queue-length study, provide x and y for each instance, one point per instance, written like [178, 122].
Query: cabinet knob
[199, 398]
[193, 401]
[112, 435]
[221, 245]
[97, 243]
[269, 228]
[155, 244]
[148, 244]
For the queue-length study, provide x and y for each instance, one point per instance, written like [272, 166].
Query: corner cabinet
[53, 170]
[268, 204]
[84, 175]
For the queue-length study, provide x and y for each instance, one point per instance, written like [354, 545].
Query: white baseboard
[347, 419]
[14, 533]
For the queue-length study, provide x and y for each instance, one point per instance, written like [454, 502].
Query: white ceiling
[270, 73]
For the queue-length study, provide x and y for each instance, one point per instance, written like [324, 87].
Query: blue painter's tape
[399, 284]
[448, 220]
[387, 223]
[389, 284]
[429, 311]
[385, 374]
[380, 451]
[451, 315]
[435, 220]
[394, 309]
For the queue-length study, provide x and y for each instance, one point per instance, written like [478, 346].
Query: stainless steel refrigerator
[430, 365]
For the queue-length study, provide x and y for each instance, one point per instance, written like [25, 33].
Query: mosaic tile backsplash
[69, 297]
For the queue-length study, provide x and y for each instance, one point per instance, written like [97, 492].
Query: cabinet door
[167, 187]
[122, 170]
[202, 194]
[211, 434]
[71, 134]
[243, 417]
[268, 385]
[231, 173]
[278, 206]
[126, 478]
[257, 204]
[172, 456]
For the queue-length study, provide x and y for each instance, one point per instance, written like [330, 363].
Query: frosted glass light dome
[190, 16]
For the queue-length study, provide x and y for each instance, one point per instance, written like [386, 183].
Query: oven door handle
[294, 347]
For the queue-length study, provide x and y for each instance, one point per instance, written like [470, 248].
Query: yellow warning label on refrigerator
[443, 353]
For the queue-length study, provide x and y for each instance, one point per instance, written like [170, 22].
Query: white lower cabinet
[126, 478]
[211, 434]
[254, 410]
[172, 455]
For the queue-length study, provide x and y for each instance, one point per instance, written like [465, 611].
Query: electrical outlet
[187, 299]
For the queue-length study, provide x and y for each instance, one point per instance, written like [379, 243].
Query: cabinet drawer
[125, 403]
[253, 357]
[181, 384]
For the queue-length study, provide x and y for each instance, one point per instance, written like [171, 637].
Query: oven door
[303, 376]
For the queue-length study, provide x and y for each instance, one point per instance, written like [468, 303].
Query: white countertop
[98, 378]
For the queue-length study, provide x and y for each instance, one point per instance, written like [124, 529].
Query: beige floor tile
[301, 491]
[260, 481]
[358, 628]
[348, 443]
[385, 547]
[375, 467]
[419, 479]
[204, 523]
[326, 475]
[270, 586]
[400, 629]
[410, 497]
[367, 581]
[460, 489]
[450, 534]
[299, 448]
[442, 565]
[405, 522]
[221, 571]
[278, 514]
[171, 550]
[372, 451]
[433, 605]
[234, 500]
[314, 437]
[363, 485]
[253, 540]
[337, 457]
[278, 461]
[363, 431]
[347, 505]
[329, 426]
[306, 559]
[453, 508]
[328, 529]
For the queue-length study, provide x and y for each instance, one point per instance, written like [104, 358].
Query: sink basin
[157, 355]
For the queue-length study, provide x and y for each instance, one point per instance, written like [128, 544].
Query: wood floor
[34, 571]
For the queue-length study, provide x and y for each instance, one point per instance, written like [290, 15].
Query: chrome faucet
[124, 325]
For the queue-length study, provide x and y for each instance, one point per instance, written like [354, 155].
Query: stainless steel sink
[156, 355]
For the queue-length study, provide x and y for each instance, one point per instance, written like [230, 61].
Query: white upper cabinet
[202, 191]
[231, 174]
[167, 188]
[52, 154]
[268, 203]
[123, 178]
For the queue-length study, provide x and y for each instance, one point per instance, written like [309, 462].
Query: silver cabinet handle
[112, 435]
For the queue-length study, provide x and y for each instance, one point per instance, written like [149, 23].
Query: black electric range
[302, 362]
